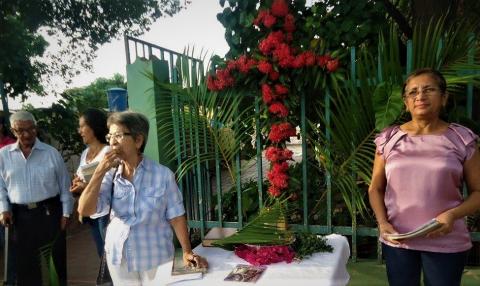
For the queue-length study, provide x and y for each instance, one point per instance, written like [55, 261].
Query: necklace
[92, 153]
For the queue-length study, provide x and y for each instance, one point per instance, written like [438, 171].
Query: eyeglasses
[414, 92]
[117, 136]
[26, 130]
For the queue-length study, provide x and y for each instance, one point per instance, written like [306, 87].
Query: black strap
[111, 195]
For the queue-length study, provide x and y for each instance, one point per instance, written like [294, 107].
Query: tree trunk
[3, 94]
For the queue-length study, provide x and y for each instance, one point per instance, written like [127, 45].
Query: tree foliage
[93, 95]
[79, 27]
[59, 123]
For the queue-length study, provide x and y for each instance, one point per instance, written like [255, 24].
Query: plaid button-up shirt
[139, 227]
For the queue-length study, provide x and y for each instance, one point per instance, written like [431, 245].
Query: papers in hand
[86, 171]
[181, 272]
[419, 231]
[245, 273]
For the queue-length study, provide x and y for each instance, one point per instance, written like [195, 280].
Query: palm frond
[348, 151]
[208, 125]
[268, 228]
[374, 101]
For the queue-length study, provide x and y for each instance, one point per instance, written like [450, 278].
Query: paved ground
[82, 259]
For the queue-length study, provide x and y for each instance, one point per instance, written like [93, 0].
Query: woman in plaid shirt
[146, 204]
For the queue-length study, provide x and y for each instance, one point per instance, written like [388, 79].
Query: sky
[197, 26]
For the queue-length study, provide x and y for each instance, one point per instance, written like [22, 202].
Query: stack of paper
[87, 170]
[419, 231]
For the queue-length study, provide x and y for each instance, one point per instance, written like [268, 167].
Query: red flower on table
[264, 255]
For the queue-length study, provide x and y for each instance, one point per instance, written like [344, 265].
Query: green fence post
[218, 176]
[238, 181]
[258, 142]
[303, 134]
[353, 75]
[328, 175]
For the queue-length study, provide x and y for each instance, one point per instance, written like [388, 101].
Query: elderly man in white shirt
[34, 199]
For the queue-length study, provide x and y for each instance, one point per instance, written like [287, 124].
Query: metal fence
[203, 184]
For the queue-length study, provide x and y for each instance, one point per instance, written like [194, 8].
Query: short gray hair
[136, 123]
[22, 115]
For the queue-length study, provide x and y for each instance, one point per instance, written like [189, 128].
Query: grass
[369, 272]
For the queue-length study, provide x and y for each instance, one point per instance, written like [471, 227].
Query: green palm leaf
[210, 125]
[348, 150]
[268, 228]
[388, 104]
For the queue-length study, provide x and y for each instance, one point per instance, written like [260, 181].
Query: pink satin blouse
[424, 178]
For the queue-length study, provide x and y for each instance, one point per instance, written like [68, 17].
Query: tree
[60, 121]
[80, 28]
[93, 95]
[410, 13]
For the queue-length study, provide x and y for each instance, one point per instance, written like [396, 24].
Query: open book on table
[419, 231]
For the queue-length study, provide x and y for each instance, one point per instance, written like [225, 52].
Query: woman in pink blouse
[418, 174]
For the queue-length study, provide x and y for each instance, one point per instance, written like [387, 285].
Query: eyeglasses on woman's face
[414, 92]
[116, 136]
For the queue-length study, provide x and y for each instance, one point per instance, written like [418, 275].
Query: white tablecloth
[321, 269]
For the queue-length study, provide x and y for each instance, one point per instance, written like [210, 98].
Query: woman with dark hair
[92, 128]
[5, 138]
[419, 170]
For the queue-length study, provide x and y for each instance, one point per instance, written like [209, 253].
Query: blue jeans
[404, 267]
[98, 227]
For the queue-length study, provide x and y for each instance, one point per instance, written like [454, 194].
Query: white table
[321, 269]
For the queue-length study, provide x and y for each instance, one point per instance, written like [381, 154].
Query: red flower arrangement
[263, 255]
[276, 58]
